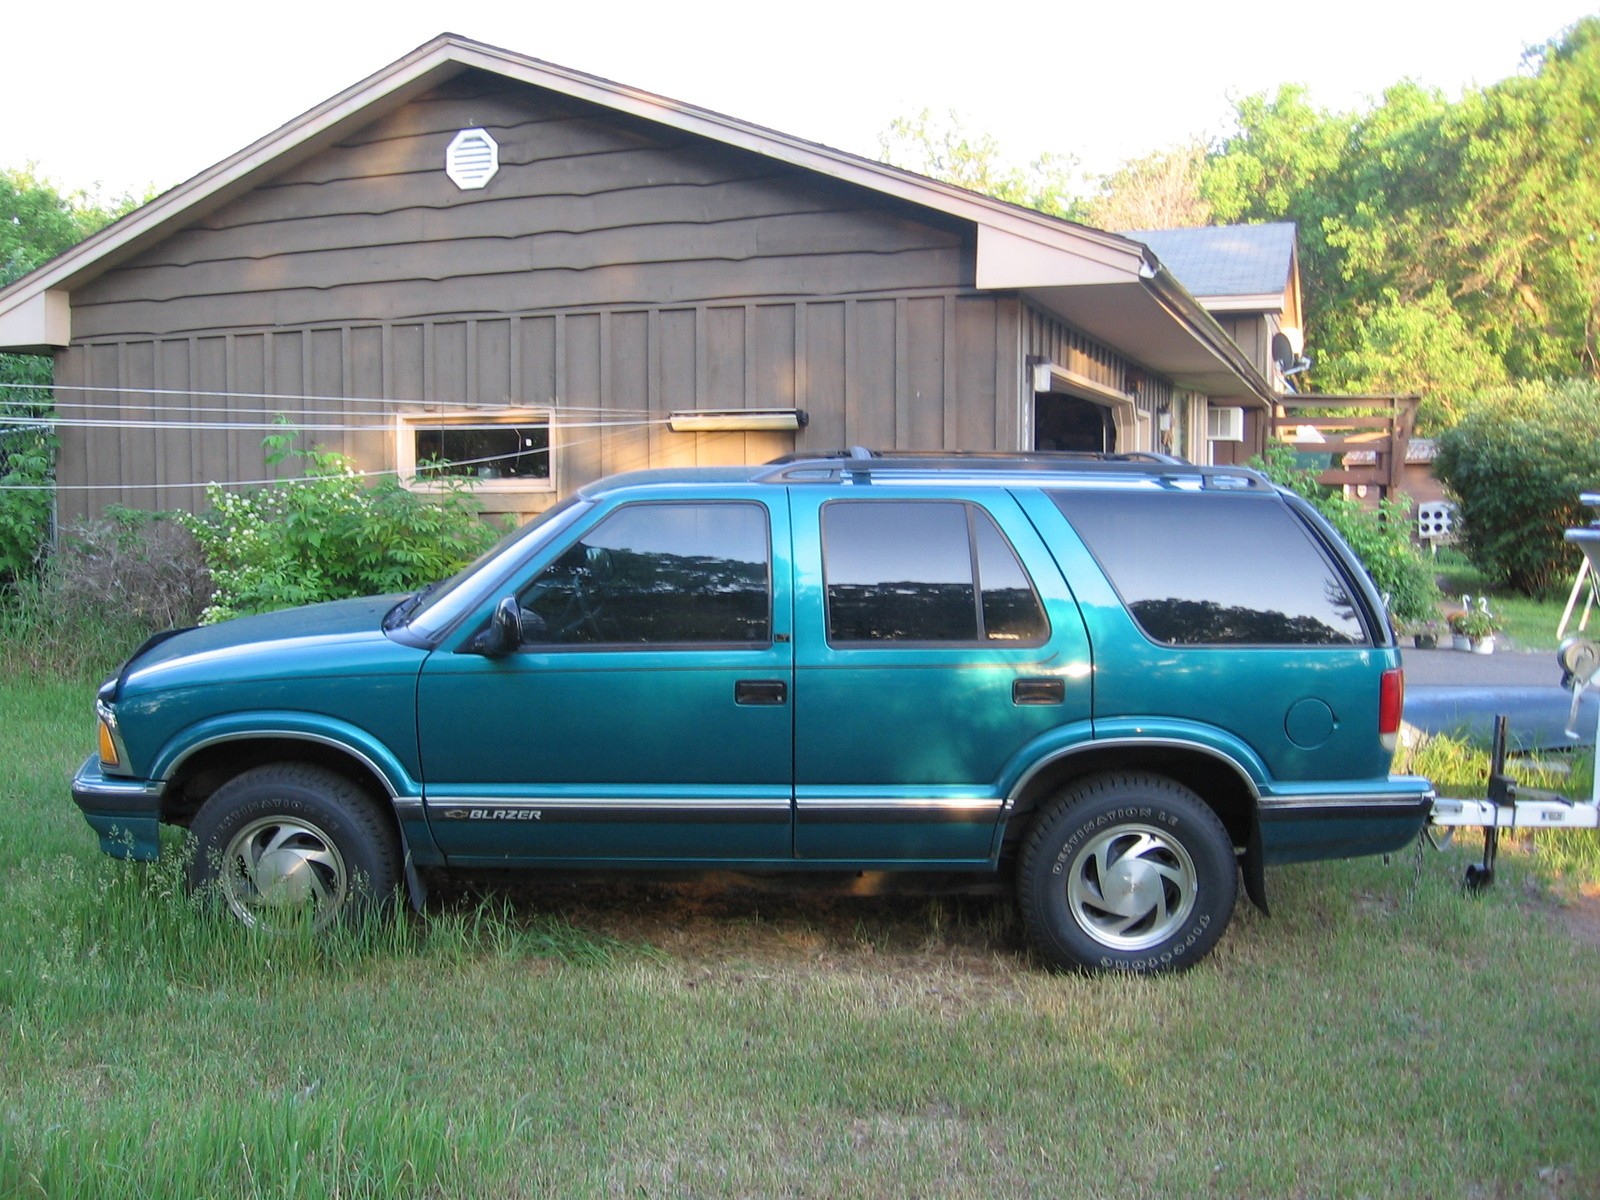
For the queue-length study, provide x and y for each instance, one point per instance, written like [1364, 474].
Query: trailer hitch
[1512, 805]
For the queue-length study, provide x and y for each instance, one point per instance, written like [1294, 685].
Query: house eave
[39, 325]
[1134, 305]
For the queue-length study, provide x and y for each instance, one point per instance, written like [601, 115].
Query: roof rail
[862, 463]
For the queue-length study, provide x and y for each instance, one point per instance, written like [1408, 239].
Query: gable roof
[1237, 264]
[1108, 285]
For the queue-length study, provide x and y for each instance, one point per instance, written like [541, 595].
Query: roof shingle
[1225, 260]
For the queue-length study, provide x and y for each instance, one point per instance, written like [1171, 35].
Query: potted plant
[1479, 627]
[1425, 634]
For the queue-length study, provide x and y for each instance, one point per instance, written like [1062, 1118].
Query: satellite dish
[1283, 351]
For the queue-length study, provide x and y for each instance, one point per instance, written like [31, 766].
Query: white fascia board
[40, 323]
[1267, 302]
[1007, 261]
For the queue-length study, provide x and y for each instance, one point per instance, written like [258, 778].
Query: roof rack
[862, 464]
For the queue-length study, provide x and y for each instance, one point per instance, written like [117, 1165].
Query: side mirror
[504, 633]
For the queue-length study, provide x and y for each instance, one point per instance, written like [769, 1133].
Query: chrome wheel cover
[278, 871]
[1132, 887]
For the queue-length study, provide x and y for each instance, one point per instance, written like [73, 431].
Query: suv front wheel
[292, 845]
[1126, 873]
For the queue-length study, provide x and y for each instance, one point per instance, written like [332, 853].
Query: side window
[921, 571]
[1200, 568]
[658, 574]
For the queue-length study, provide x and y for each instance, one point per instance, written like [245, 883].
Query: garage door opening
[1066, 422]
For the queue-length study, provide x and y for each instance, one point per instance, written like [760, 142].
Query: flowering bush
[331, 535]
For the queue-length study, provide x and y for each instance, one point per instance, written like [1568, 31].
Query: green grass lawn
[1380, 1035]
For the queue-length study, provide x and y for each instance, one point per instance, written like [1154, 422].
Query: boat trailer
[1510, 805]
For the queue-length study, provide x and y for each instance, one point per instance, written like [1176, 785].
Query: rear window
[1209, 569]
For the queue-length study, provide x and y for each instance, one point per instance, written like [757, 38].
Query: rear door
[646, 718]
[936, 641]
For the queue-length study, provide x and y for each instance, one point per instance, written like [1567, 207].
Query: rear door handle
[760, 691]
[1038, 691]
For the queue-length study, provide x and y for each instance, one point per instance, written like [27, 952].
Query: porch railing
[1366, 436]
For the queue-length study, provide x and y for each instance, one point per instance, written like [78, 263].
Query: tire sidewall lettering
[1147, 813]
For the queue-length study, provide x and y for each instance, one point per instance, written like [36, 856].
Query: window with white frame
[503, 451]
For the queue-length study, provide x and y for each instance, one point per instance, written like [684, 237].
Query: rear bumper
[126, 813]
[1305, 826]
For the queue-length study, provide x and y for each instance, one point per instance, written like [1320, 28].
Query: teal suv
[1117, 686]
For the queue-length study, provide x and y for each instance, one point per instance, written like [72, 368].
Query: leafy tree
[1422, 345]
[941, 148]
[1159, 191]
[37, 222]
[1446, 246]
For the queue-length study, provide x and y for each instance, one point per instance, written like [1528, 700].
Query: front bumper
[126, 813]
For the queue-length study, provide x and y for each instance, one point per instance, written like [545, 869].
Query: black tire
[1162, 852]
[288, 844]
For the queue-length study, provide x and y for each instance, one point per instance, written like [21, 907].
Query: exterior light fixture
[741, 420]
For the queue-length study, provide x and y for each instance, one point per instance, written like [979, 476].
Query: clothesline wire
[17, 424]
[273, 482]
[388, 401]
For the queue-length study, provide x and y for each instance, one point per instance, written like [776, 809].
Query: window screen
[658, 574]
[924, 571]
[1215, 569]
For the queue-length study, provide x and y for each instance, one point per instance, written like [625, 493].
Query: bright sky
[129, 95]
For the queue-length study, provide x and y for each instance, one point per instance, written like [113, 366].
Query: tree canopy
[942, 148]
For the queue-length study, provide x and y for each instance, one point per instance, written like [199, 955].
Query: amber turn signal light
[108, 746]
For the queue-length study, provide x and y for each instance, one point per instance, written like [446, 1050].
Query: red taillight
[1391, 700]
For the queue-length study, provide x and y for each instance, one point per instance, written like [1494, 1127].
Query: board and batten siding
[917, 372]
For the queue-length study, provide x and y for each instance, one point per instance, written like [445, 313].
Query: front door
[647, 716]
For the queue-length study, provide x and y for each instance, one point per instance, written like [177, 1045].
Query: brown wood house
[541, 277]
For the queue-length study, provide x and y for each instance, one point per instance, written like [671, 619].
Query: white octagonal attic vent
[471, 159]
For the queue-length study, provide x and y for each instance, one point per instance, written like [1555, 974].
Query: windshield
[439, 605]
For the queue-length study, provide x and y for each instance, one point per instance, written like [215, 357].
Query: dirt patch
[1580, 914]
[727, 926]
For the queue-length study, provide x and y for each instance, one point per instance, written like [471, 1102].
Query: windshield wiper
[408, 606]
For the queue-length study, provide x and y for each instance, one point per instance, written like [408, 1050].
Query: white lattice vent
[472, 159]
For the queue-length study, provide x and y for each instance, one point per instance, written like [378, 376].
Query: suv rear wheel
[1126, 873]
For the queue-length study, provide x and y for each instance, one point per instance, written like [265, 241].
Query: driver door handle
[760, 691]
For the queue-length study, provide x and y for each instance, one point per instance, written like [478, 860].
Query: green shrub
[333, 535]
[1516, 463]
[1381, 537]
